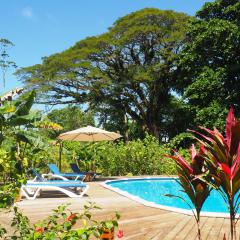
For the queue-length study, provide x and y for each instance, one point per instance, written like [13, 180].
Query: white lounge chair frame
[31, 192]
[50, 175]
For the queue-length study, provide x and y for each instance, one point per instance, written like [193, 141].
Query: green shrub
[182, 140]
[138, 157]
[60, 225]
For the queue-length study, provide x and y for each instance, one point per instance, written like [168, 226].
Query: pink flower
[120, 234]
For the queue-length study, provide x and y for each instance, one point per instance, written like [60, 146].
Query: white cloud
[27, 12]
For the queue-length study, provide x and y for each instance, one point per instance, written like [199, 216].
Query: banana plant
[222, 159]
[189, 176]
[15, 119]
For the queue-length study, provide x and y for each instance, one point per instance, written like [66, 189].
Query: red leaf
[236, 164]
[202, 149]
[211, 132]
[182, 162]
[219, 135]
[203, 136]
[230, 122]
[225, 168]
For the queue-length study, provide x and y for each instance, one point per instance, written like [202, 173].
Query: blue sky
[41, 28]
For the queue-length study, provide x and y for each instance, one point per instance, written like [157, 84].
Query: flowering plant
[60, 225]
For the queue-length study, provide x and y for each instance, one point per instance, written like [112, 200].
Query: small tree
[196, 189]
[5, 62]
[222, 159]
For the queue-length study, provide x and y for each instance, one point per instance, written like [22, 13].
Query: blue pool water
[153, 190]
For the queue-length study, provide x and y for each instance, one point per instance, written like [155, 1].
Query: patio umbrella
[87, 134]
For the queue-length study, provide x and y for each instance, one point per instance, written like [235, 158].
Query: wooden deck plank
[215, 229]
[207, 227]
[224, 229]
[193, 233]
[190, 227]
[137, 221]
[174, 231]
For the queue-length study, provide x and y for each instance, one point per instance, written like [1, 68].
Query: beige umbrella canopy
[86, 134]
[89, 134]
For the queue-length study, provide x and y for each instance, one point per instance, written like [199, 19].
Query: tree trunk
[126, 126]
[154, 130]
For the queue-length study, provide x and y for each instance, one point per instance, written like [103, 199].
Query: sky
[39, 28]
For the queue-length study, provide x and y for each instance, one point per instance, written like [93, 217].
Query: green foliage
[18, 145]
[209, 63]
[70, 118]
[182, 140]
[59, 225]
[138, 157]
[128, 70]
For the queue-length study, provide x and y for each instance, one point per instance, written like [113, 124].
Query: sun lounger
[47, 177]
[73, 189]
[75, 168]
[54, 169]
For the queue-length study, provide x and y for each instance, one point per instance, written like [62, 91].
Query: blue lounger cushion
[39, 178]
[76, 169]
[54, 169]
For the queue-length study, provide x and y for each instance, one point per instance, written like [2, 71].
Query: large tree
[210, 62]
[71, 118]
[129, 69]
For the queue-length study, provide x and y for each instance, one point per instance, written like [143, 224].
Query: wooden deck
[137, 221]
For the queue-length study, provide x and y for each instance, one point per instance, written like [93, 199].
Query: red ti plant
[189, 179]
[222, 159]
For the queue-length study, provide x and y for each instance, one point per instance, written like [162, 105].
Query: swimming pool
[151, 191]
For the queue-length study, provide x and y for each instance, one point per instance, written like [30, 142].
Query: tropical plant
[222, 159]
[15, 118]
[59, 225]
[17, 143]
[196, 189]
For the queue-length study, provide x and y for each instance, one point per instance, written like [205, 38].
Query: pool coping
[155, 205]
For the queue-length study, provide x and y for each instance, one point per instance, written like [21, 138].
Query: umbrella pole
[60, 155]
[93, 168]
